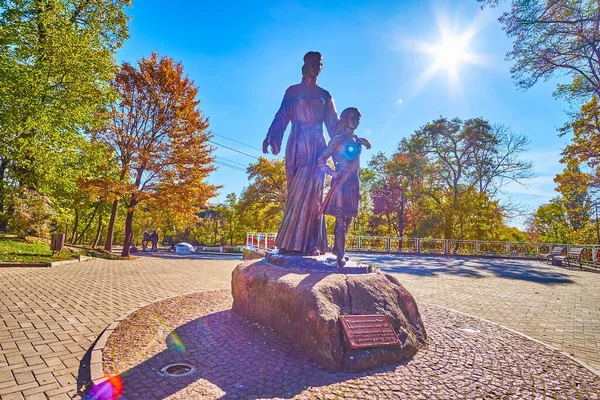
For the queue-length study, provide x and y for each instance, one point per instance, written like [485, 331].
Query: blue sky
[244, 55]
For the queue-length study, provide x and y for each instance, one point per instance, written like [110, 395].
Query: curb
[42, 264]
[571, 357]
[97, 375]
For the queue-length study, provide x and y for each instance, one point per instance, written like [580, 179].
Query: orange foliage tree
[160, 139]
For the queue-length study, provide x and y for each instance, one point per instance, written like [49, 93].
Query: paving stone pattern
[49, 317]
[558, 306]
[237, 359]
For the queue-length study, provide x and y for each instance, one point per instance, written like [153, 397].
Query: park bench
[573, 254]
[555, 252]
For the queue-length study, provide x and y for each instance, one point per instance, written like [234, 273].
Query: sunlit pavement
[230, 357]
[51, 316]
[553, 304]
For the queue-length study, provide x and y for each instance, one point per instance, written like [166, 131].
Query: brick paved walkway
[49, 317]
[233, 358]
[558, 306]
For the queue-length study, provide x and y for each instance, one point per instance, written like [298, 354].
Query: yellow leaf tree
[160, 139]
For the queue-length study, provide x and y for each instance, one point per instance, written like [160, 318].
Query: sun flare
[451, 53]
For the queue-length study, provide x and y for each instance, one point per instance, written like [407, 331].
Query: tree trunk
[80, 237]
[127, 241]
[128, 233]
[98, 231]
[113, 215]
[74, 227]
[216, 227]
[111, 226]
[3, 219]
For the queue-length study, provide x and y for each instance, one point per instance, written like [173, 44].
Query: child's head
[350, 118]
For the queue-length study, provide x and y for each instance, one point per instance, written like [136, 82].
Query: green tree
[550, 223]
[230, 213]
[262, 202]
[448, 161]
[56, 60]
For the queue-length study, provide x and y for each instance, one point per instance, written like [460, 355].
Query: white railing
[390, 244]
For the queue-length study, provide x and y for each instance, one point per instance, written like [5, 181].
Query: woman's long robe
[307, 107]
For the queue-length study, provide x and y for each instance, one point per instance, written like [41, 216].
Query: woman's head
[313, 63]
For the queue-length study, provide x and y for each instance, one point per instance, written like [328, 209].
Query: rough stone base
[252, 254]
[304, 307]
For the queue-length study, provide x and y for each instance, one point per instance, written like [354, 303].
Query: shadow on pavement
[192, 256]
[531, 271]
[233, 358]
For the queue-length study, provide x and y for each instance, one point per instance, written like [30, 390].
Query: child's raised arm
[363, 142]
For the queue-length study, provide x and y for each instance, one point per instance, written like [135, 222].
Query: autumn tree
[573, 186]
[56, 60]
[584, 150]
[553, 38]
[387, 194]
[160, 139]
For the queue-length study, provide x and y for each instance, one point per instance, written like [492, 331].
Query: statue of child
[343, 196]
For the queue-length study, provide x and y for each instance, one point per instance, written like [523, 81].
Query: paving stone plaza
[52, 316]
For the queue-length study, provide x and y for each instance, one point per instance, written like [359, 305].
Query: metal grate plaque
[368, 331]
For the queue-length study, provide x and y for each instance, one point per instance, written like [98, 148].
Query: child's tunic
[345, 150]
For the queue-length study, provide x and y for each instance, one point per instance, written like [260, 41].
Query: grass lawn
[32, 249]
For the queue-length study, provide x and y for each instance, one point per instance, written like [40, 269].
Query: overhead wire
[230, 166]
[231, 148]
[231, 161]
[238, 142]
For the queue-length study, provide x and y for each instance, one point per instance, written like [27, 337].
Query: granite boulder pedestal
[304, 305]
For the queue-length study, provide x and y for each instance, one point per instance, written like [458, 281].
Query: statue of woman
[307, 106]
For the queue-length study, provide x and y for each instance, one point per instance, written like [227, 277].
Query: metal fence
[390, 244]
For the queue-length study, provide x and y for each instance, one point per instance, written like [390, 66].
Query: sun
[451, 53]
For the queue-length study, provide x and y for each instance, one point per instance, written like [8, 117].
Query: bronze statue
[307, 106]
[344, 194]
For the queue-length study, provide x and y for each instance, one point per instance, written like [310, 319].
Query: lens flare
[350, 150]
[110, 389]
[174, 342]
